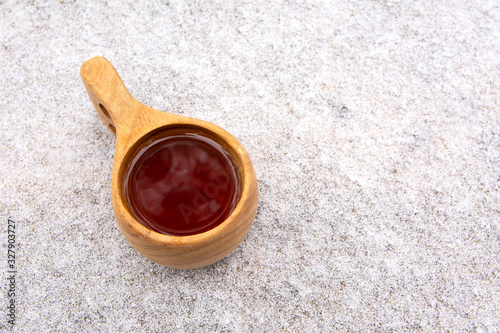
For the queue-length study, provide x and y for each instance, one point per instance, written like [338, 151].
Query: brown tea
[182, 185]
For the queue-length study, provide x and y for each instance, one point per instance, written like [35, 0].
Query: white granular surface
[373, 126]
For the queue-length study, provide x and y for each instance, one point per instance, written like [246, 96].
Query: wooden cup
[135, 123]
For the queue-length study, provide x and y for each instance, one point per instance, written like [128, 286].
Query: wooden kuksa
[134, 123]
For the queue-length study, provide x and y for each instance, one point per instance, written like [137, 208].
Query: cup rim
[220, 136]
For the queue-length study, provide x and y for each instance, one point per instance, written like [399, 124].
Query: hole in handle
[108, 118]
[105, 111]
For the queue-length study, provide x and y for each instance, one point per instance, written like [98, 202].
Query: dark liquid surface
[182, 185]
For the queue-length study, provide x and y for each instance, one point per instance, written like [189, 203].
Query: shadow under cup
[181, 181]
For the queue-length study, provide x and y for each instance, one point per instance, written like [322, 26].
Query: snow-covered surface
[373, 126]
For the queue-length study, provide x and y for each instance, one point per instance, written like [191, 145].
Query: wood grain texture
[133, 123]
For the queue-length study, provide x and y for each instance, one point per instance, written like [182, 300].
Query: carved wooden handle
[107, 92]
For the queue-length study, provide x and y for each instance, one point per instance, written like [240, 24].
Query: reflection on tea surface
[182, 185]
